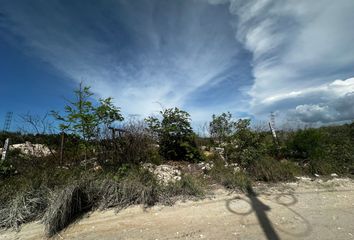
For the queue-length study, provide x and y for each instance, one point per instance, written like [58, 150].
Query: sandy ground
[302, 210]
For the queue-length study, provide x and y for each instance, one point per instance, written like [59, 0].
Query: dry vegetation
[101, 171]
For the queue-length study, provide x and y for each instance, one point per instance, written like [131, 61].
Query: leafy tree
[107, 113]
[175, 135]
[83, 118]
[221, 127]
[245, 145]
[80, 118]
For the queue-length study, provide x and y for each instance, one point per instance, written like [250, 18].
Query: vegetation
[104, 170]
[175, 135]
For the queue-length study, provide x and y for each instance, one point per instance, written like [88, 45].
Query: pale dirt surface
[302, 210]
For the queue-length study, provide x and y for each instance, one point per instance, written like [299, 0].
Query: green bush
[188, 186]
[175, 135]
[324, 150]
[245, 146]
[271, 170]
[228, 177]
[306, 144]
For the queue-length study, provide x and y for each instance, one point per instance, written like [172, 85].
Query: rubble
[205, 166]
[164, 173]
[234, 166]
[304, 178]
[30, 149]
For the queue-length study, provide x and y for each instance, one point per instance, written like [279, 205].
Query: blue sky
[295, 58]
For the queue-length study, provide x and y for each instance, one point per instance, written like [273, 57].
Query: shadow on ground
[260, 209]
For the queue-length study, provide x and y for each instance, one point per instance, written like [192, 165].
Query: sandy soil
[302, 210]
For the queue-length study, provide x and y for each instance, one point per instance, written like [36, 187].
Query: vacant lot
[303, 210]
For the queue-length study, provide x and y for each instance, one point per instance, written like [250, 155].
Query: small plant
[228, 177]
[188, 186]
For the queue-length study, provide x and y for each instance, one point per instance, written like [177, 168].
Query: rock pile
[164, 173]
[30, 149]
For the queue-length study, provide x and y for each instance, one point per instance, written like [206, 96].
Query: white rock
[27, 148]
[164, 173]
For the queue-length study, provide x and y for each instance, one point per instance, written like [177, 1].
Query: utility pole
[4, 150]
[272, 130]
[7, 122]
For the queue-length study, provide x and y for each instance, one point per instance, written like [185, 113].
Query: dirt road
[302, 210]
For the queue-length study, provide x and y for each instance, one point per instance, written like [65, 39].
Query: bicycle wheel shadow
[260, 209]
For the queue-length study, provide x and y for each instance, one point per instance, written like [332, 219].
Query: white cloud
[165, 58]
[325, 103]
[296, 46]
[336, 110]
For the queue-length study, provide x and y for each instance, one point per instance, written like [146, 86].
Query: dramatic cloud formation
[140, 52]
[249, 57]
[297, 46]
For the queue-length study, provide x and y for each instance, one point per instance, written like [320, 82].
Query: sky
[291, 57]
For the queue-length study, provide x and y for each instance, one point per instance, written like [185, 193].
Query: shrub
[175, 135]
[324, 150]
[245, 146]
[136, 145]
[188, 186]
[306, 144]
[270, 170]
[228, 177]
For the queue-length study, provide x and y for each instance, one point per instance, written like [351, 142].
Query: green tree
[244, 145]
[107, 113]
[221, 127]
[175, 135]
[83, 118]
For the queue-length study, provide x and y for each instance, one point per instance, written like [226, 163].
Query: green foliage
[270, 170]
[325, 150]
[306, 143]
[189, 186]
[245, 145]
[83, 118]
[175, 135]
[221, 127]
[228, 177]
[107, 113]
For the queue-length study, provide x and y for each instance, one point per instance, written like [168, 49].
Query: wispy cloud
[297, 46]
[249, 57]
[140, 53]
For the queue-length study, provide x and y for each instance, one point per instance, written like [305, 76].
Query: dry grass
[60, 207]
[25, 207]
[65, 206]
